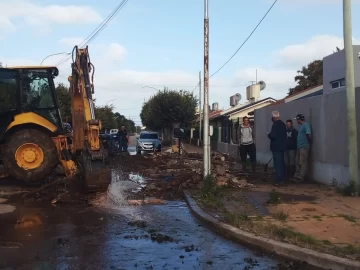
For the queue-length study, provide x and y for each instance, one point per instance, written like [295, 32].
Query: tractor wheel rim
[29, 156]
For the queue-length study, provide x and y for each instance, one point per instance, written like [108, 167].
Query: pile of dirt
[169, 173]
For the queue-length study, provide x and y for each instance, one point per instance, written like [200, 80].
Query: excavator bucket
[95, 174]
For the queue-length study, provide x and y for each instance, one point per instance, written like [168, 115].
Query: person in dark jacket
[277, 138]
[290, 152]
[123, 139]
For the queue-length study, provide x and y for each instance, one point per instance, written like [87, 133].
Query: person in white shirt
[247, 143]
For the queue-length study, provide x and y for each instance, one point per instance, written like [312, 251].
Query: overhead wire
[97, 30]
[242, 45]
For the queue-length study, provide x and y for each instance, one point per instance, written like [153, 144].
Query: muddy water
[116, 236]
[113, 235]
[146, 237]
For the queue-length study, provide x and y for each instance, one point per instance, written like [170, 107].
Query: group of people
[290, 147]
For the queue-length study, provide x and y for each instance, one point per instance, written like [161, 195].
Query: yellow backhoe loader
[33, 140]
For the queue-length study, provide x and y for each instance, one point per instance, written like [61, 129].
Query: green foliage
[309, 76]
[106, 114]
[167, 107]
[64, 101]
[274, 197]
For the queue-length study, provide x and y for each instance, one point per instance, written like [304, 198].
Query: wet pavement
[145, 237]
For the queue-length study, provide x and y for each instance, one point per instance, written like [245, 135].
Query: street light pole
[109, 101]
[350, 94]
[145, 86]
[200, 105]
[67, 53]
[206, 158]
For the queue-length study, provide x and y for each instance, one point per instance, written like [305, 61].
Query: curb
[314, 258]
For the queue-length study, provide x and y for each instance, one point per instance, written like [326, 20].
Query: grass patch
[235, 219]
[211, 194]
[317, 217]
[274, 197]
[280, 215]
[288, 235]
[352, 189]
[308, 209]
[348, 218]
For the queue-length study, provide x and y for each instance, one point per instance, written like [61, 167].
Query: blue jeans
[279, 166]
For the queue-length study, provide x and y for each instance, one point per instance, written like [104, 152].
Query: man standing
[303, 147]
[277, 138]
[123, 140]
[290, 152]
[247, 144]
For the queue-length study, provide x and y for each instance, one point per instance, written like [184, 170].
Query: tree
[64, 101]
[309, 76]
[109, 119]
[167, 107]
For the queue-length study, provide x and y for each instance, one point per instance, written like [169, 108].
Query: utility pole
[350, 94]
[207, 168]
[200, 105]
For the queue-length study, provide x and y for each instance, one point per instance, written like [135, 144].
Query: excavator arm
[86, 145]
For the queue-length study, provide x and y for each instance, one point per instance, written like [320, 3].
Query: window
[36, 90]
[8, 93]
[151, 136]
[338, 84]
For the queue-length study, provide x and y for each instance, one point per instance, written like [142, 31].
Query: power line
[97, 30]
[252, 32]
[249, 36]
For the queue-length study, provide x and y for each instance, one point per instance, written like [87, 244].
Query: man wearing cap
[303, 147]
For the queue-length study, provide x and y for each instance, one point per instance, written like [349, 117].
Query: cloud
[71, 41]
[15, 11]
[287, 61]
[277, 81]
[126, 85]
[115, 52]
[317, 47]
[6, 25]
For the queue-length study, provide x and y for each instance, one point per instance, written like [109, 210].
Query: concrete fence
[328, 119]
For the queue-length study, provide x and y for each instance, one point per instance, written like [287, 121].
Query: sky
[159, 43]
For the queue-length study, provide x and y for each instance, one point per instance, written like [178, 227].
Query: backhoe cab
[33, 140]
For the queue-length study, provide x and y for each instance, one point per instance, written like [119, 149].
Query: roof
[246, 106]
[212, 115]
[310, 90]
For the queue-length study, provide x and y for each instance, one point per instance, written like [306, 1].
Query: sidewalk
[307, 215]
[193, 149]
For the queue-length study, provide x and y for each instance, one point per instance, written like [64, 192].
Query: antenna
[238, 97]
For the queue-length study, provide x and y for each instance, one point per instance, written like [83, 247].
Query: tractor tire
[30, 156]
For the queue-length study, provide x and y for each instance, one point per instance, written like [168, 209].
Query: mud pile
[168, 173]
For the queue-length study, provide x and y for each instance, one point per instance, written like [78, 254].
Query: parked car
[148, 141]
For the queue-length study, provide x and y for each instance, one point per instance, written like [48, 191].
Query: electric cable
[242, 45]
[97, 30]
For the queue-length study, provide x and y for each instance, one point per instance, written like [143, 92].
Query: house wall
[327, 117]
[334, 69]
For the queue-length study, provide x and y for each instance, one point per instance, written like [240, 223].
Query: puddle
[132, 150]
[6, 208]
